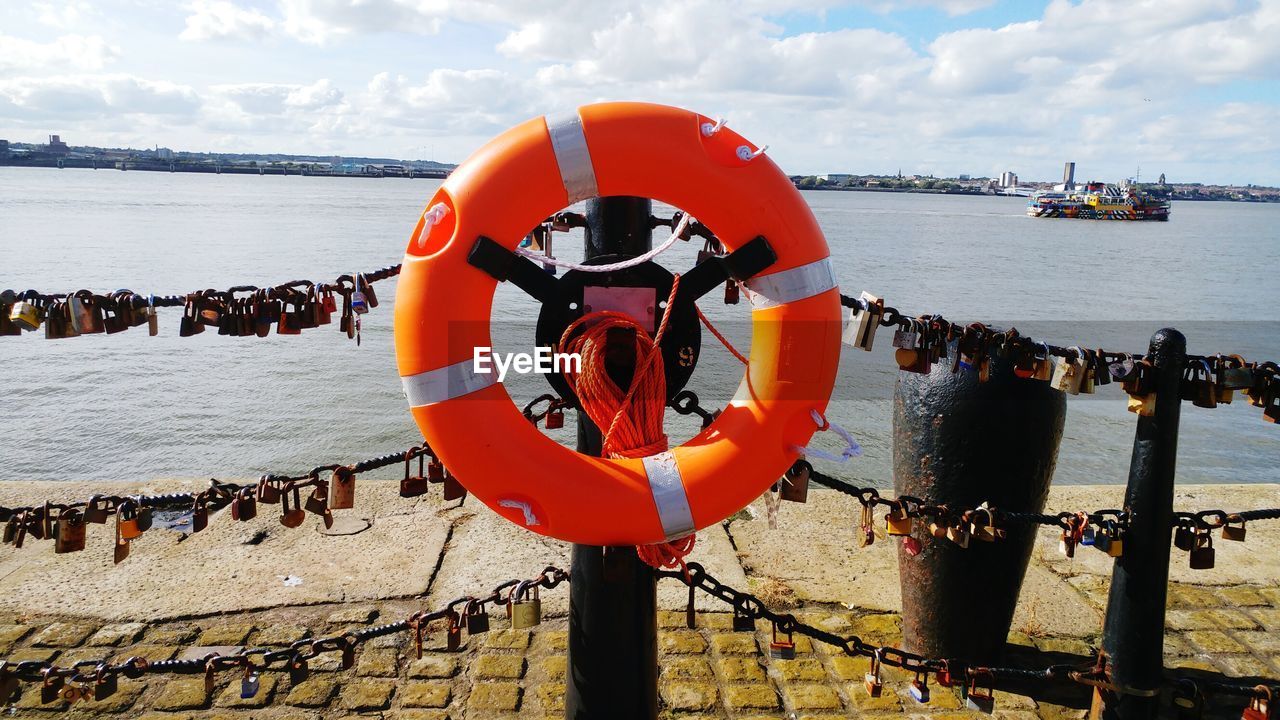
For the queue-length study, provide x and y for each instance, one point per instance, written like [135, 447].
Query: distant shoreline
[281, 170]
[213, 169]
[970, 193]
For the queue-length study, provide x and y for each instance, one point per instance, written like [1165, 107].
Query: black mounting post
[1133, 634]
[613, 632]
[962, 442]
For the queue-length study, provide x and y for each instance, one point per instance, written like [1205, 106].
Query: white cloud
[62, 15]
[276, 99]
[68, 52]
[1096, 46]
[221, 20]
[89, 96]
[321, 21]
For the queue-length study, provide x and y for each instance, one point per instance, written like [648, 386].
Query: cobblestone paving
[706, 672]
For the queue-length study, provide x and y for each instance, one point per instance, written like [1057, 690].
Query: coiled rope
[634, 417]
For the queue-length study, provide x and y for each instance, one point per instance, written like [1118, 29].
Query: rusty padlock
[795, 483]
[415, 485]
[69, 531]
[342, 489]
[244, 506]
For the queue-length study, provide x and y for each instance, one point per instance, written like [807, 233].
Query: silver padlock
[861, 330]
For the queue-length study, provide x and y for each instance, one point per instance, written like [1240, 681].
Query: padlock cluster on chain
[1193, 533]
[975, 684]
[99, 679]
[1103, 530]
[320, 491]
[429, 472]
[242, 311]
[520, 599]
[922, 342]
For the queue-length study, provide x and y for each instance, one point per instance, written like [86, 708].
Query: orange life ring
[443, 308]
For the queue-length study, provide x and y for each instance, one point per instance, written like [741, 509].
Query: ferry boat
[1098, 201]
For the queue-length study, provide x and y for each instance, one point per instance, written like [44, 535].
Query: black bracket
[502, 265]
[741, 264]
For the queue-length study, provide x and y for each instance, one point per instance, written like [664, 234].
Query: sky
[1187, 88]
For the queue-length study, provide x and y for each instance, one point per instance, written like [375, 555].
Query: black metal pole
[1133, 635]
[613, 633]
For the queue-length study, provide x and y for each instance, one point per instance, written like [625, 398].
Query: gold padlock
[1067, 375]
[984, 531]
[1115, 533]
[25, 315]
[868, 526]
[1087, 373]
[1232, 531]
[1044, 365]
[525, 612]
[897, 522]
[1143, 405]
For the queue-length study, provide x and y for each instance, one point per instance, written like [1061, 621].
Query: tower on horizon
[1069, 176]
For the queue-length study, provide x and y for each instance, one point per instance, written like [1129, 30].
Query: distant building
[1069, 176]
[836, 177]
[1158, 182]
[964, 177]
[4, 148]
[164, 153]
[1008, 179]
[56, 146]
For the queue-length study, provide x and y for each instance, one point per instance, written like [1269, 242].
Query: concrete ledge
[212, 589]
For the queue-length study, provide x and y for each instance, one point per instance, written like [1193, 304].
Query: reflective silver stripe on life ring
[791, 285]
[668, 494]
[572, 155]
[446, 383]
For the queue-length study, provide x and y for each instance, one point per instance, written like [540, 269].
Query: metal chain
[279, 291]
[949, 671]
[1078, 527]
[1207, 379]
[41, 521]
[253, 312]
[99, 677]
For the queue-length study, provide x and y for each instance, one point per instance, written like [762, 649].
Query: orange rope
[633, 418]
[723, 340]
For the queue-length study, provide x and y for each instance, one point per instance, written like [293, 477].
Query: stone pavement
[227, 586]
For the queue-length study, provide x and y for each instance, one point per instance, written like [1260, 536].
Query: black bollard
[960, 442]
[1133, 634]
[613, 632]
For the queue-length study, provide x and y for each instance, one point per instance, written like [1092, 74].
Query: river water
[133, 407]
